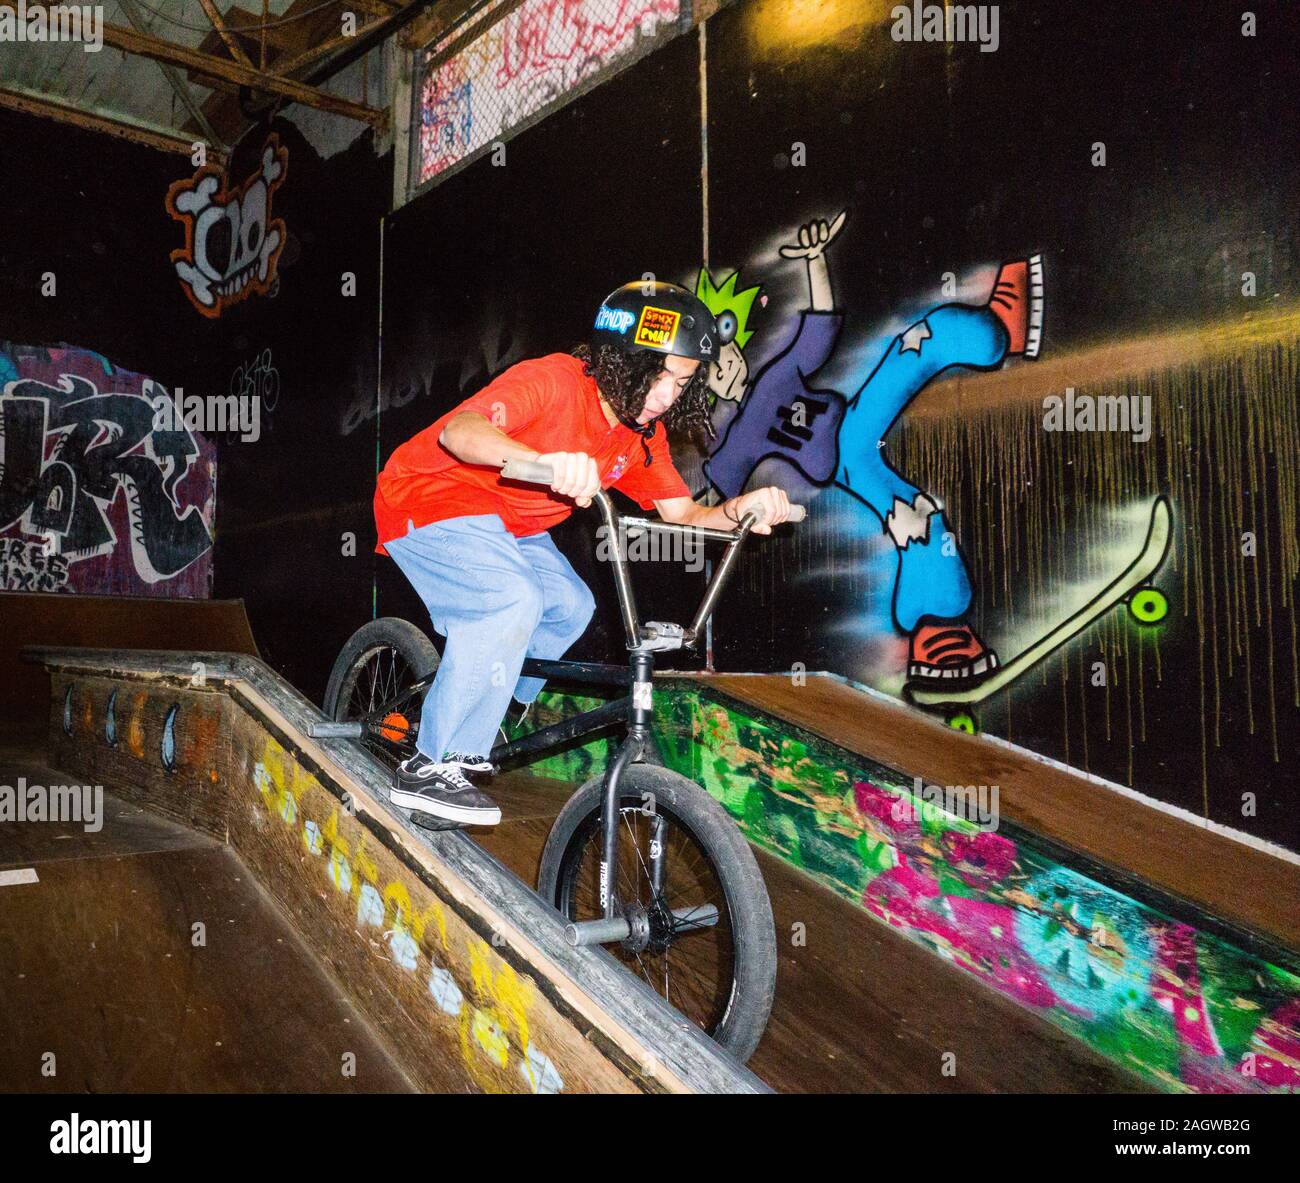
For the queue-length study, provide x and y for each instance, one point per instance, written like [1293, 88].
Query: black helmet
[661, 317]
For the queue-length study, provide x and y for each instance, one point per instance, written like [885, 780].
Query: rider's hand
[573, 474]
[770, 504]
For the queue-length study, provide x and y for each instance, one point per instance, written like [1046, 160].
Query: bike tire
[733, 863]
[411, 644]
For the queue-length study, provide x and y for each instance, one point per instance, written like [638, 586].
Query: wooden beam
[150, 137]
[243, 23]
[429, 27]
[377, 7]
[206, 66]
[287, 67]
[232, 42]
[175, 79]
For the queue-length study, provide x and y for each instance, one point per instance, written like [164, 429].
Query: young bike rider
[476, 549]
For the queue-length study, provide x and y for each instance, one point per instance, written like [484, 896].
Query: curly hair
[624, 378]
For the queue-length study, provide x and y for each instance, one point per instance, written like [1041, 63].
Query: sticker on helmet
[657, 327]
[616, 320]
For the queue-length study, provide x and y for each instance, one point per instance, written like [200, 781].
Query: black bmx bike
[641, 859]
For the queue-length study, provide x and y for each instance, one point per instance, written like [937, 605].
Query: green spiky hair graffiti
[726, 298]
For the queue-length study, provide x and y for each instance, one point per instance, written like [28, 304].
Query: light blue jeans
[497, 599]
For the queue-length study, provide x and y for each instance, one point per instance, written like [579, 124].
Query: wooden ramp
[859, 1008]
[1079, 938]
[102, 622]
[1130, 835]
[460, 967]
[105, 971]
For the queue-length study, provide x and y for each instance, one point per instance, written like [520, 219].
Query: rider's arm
[473, 440]
[685, 512]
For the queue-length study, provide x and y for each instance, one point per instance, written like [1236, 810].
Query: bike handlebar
[529, 471]
[534, 473]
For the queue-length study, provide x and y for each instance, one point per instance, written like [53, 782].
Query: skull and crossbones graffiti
[232, 243]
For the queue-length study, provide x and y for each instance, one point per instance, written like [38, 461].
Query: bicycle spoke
[696, 975]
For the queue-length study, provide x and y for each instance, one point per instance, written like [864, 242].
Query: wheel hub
[642, 930]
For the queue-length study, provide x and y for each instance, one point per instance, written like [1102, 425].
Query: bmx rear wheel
[371, 681]
[721, 977]
[1148, 606]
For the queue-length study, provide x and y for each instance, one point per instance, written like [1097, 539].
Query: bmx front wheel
[721, 977]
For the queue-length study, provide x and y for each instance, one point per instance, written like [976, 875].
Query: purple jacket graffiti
[766, 424]
[94, 496]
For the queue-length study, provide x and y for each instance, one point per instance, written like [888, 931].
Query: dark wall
[90, 208]
[500, 263]
[295, 530]
[947, 163]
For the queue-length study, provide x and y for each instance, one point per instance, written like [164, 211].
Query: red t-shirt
[547, 403]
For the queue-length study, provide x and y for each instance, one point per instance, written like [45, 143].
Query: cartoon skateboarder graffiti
[830, 438]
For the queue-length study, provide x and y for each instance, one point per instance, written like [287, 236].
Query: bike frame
[636, 709]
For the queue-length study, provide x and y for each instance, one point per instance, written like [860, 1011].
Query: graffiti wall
[539, 53]
[1030, 362]
[1150, 984]
[1047, 430]
[103, 490]
[108, 468]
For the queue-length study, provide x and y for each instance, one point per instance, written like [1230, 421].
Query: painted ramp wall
[460, 965]
[1166, 948]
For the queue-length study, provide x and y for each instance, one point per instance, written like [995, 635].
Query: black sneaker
[468, 763]
[443, 791]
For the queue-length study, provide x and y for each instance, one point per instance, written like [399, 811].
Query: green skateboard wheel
[963, 721]
[1148, 606]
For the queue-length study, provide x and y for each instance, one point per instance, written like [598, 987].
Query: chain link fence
[516, 61]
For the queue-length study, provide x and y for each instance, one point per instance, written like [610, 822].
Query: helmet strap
[645, 431]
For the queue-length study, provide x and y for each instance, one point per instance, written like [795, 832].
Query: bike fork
[610, 816]
[632, 924]
[640, 716]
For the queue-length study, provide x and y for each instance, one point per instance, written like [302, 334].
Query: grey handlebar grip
[527, 470]
[797, 514]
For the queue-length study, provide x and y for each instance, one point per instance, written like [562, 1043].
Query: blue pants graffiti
[831, 439]
[932, 577]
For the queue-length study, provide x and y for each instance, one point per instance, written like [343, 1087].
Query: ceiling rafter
[175, 79]
[30, 104]
[206, 66]
[305, 49]
[223, 31]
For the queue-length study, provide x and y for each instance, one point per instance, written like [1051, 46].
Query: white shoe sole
[451, 813]
[1034, 334]
[984, 665]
